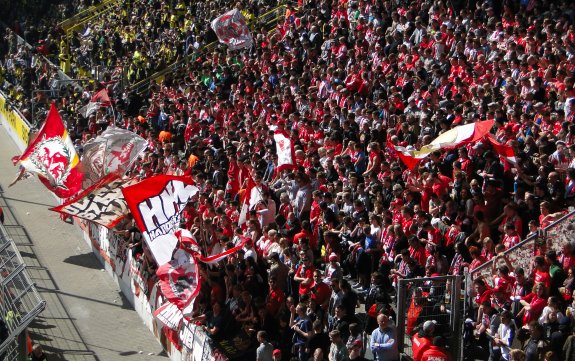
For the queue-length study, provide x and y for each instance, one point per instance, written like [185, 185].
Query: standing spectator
[436, 351]
[337, 350]
[265, 350]
[383, 341]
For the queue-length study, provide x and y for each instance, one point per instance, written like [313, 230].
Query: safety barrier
[430, 298]
[83, 16]
[21, 302]
[521, 255]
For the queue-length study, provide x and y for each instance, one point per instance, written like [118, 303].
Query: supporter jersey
[435, 353]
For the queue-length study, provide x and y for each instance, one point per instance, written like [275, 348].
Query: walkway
[86, 317]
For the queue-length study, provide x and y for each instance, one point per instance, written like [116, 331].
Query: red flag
[506, 152]
[53, 157]
[156, 205]
[102, 98]
[285, 151]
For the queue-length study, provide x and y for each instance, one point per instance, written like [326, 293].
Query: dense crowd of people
[349, 81]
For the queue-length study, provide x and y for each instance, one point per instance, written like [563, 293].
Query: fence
[86, 15]
[430, 298]
[521, 255]
[20, 303]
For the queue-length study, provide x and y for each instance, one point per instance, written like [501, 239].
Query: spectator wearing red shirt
[422, 340]
[511, 238]
[540, 272]
[304, 275]
[320, 291]
[533, 304]
[482, 294]
[417, 251]
[436, 351]
[276, 298]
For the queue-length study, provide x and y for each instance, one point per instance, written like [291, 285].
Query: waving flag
[113, 151]
[252, 196]
[284, 150]
[231, 29]
[100, 99]
[453, 138]
[102, 203]
[506, 152]
[180, 280]
[156, 205]
[53, 157]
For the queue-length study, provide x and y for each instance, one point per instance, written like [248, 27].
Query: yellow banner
[20, 128]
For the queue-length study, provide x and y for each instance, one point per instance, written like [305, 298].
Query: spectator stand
[268, 20]
[20, 304]
[431, 298]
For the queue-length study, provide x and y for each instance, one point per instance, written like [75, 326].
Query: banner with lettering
[101, 203]
[169, 315]
[156, 204]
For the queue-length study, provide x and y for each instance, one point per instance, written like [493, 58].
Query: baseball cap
[427, 325]
[277, 351]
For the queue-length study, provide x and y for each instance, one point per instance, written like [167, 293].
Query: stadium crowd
[347, 80]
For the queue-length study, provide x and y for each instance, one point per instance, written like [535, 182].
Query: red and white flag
[285, 151]
[231, 29]
[506, 152]
[100, 99]
[113, 151]
[180, 280]
[453, 138]
[53, 157]
[252, 196]
[156, 204]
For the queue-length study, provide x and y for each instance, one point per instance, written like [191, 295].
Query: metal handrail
[109, 6]
[525, 241]
[79, 17]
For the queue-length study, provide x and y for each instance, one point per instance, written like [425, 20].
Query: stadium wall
[13, 121]
[188, 343]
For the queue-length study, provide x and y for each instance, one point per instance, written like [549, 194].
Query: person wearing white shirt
[505, 334]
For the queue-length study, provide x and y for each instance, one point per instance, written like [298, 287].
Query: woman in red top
[533, 304]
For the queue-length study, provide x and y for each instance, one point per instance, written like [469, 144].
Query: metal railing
[82, 16]
[441, 301]
[20, 301]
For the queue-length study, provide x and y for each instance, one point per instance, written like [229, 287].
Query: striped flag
[453, 138]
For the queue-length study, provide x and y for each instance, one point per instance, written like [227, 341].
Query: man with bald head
[383, 340]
